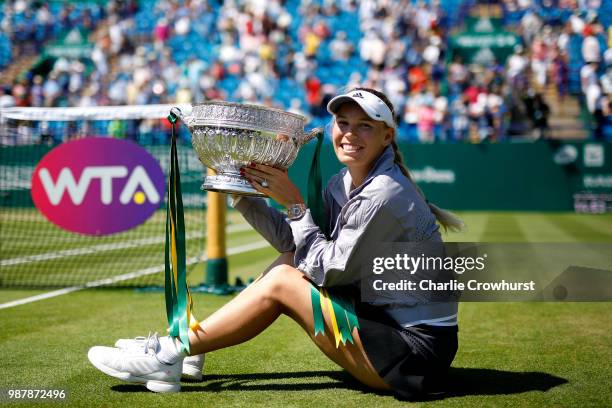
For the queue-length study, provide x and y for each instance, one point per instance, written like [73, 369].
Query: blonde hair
[446, 219]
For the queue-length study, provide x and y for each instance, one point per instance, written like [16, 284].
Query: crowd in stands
[29, 24]
[296, 55]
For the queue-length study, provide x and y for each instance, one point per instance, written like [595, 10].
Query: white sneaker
[192, 365]
[138, 365]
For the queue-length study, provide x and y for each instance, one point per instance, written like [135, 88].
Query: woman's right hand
[274, 183]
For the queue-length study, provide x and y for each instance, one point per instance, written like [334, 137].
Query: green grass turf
[510, 354]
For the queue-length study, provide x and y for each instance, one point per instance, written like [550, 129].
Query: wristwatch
[296, 211]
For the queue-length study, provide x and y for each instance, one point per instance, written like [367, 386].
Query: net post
[216, 265]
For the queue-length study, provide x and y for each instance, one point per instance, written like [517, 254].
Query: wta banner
[422, 273]
[98, 186]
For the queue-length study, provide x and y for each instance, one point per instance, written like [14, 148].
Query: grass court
[510, 354]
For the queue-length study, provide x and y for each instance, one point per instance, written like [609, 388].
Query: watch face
[296, 211]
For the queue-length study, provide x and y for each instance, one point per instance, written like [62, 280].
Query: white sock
[169, 351]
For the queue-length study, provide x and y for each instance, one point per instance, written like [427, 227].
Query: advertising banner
[98, 186]
[483, 42]
[540, 176]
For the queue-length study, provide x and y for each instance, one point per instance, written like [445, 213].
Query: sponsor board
[98, 186]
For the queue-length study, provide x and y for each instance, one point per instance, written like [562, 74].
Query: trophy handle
[177, 112]
[308, 136]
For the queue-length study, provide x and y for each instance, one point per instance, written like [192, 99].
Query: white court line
[107, 247]
[148, 271]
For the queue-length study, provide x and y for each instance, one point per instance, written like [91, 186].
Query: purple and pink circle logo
[98, 186]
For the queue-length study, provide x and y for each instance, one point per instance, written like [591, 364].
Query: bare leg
[281, 290]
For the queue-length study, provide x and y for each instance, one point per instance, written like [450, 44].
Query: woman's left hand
[274, 183]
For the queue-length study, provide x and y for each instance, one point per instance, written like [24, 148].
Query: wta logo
[98, 186]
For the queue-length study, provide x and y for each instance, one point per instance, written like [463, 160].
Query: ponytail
[447, 219]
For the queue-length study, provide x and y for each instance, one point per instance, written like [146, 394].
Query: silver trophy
[227, 136]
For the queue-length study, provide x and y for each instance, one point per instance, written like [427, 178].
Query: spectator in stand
[417, 77]
[229, 52]
[426, 121]
[183, 94]
[328, 91]
[432, 52]
[495, 111]
[21, 93]
[116, 34]
[37, 97]
[296, 107]
[7, 100]
[588, 75]
[395, 87]
[564, 38]
[51, 90]
[531, 24]
[593, 94]
[195, 68]
[440, 107]
[601, 115]
[88, 99]
[182, 26]
[477, 109]
[577, 22]
[457, 75]
[560, 75]
[161, 33]
[45, 19]
[517, 64]
[606, 81]
[313, 95]
[539, 60]
[541, 113]
[410, 115]
[590, 46]
[537, 111]
[396, 50]
[341, 49]
[460, 122]
[424, 18]
[312, 41]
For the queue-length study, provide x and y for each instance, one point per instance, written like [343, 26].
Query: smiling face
[359, 140]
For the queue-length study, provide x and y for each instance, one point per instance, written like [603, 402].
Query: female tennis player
[391, 346]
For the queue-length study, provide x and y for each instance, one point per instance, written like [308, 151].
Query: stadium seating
[203, 41]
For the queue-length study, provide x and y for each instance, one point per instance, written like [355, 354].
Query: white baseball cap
[371, 104]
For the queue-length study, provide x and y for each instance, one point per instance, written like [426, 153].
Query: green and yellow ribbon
[341, 315]
[315, 186]
[340, 310]
[178, 297]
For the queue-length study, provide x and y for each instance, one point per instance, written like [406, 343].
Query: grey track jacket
[385, 208]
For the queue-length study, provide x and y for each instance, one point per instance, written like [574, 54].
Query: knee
[278, 281]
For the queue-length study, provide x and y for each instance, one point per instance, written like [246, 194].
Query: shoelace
[152, 343]
[138, 343]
